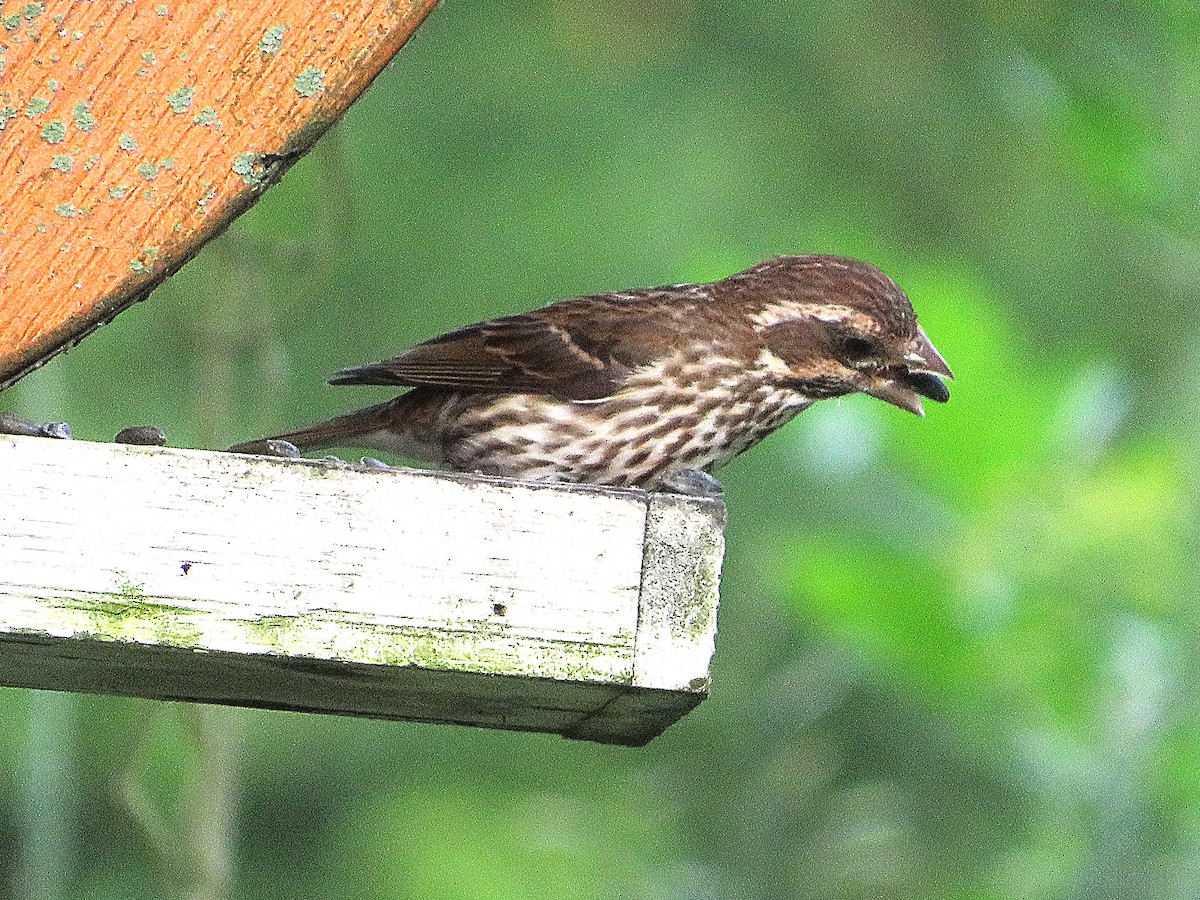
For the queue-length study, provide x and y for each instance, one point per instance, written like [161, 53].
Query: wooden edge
[681, 575]
[581, 611]
[677, 619]
[84, 664]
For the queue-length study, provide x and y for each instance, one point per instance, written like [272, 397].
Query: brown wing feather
[566, 351]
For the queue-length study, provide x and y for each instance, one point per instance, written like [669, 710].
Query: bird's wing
[567, 355]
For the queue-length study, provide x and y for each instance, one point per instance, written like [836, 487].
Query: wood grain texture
[184, 574]
[133, 132]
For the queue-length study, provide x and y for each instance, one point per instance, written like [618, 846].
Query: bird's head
[832, 326]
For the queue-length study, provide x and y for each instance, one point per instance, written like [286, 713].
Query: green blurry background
[957, 655]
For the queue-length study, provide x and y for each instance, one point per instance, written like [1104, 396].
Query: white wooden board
[214, 577]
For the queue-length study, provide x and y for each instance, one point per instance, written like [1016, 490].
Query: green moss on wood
[84, 120]
[272, 39]
[310, 82]
[54, 132]
[181, 101]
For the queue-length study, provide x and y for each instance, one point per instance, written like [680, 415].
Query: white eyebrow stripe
[774, 313]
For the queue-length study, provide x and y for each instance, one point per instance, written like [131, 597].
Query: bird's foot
[692, 483]
[11, 423]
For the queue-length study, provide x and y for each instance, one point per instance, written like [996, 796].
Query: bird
[653, 388]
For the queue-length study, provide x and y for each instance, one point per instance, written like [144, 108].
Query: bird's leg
[692, 483]
[11, 423]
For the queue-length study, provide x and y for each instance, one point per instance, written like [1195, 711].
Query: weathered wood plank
[182, 574]
[136, 132]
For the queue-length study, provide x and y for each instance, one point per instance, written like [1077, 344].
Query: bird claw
[692, 483]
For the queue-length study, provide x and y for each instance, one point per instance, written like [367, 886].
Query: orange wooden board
[132, 132]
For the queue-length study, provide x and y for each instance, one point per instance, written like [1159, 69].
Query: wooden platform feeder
[189, 575]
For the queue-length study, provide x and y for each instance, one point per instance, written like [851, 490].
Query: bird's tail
[337, 432]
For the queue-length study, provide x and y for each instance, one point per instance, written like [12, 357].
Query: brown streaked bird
[647, 388]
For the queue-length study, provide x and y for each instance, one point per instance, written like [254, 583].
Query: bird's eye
[859, 351]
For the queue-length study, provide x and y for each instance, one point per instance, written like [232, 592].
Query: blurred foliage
[957, 656]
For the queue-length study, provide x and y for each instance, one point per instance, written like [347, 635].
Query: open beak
[918, 375]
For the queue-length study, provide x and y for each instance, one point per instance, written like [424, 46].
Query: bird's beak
[922, 356]
[919, 374]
